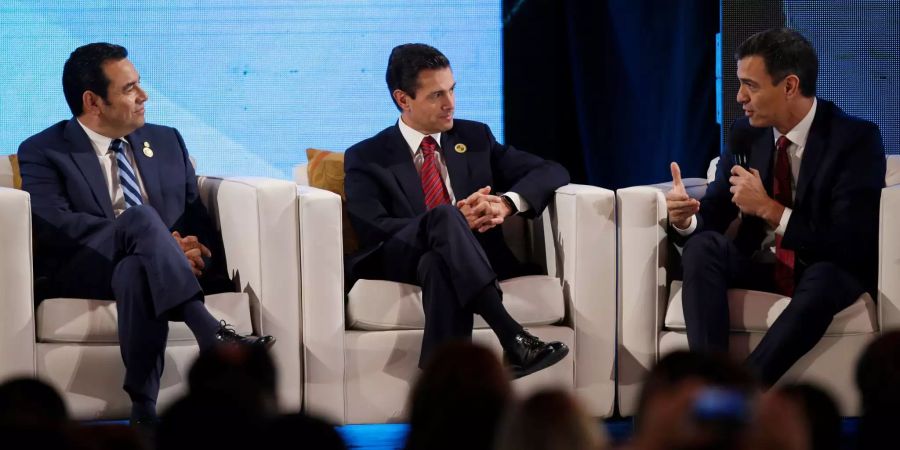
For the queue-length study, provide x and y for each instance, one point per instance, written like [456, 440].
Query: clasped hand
[194, 251]
[483, 211]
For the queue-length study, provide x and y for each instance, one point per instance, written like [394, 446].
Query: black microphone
[739, 145]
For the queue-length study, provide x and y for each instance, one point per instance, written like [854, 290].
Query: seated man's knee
[141, 219]
[446, 216]
[705, 245]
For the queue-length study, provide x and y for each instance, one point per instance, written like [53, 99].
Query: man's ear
[90, 102]
[791, 85]
[402, 99]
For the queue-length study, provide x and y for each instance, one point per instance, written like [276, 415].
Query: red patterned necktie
[781, 189]
[432, 184]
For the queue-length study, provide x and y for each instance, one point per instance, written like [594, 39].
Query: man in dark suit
[806, 179]
[117, 214]
[423, 195]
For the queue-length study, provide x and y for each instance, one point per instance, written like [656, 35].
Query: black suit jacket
[384, 191]
[838, 192]
[71, 209]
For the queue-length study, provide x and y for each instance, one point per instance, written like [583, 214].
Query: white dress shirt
[110, 168]
[798, 136]
[414, 138]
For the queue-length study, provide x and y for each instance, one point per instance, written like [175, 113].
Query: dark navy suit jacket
[838, 193]
[384, 191]
[71, 209]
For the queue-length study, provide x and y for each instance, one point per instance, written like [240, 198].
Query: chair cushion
[756, 311]
[387, 305]
[325, 170]
[78, 320]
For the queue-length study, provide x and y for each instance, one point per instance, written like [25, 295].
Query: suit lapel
[85, 159]
[812, 152]
[148, 167]
[402, 166]
[761, 157]
[457, 166]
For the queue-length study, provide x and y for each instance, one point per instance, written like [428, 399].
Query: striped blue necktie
[130, 188]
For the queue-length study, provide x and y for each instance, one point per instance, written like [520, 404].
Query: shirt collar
[99, 141]
[413, 138]
[800, 133]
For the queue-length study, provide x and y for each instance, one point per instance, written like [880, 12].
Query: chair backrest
[9, 171]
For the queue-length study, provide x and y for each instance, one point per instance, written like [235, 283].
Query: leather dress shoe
[530, 354]
[227, 335]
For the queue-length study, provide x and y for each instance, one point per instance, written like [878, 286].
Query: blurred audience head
[796, 417]
[459, 399]
[243, 374]
[551, 420]
[694, 401]
[878, 380]
[32, 413]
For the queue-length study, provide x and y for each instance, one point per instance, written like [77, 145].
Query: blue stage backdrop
[250, 83]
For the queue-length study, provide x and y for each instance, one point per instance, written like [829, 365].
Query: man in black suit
[806, 179]
[117, 215]
[424, 197]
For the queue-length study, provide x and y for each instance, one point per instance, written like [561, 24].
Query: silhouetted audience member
[32, 415]
[796, 417]
[299, 431]
[459, 400]
[231, 399]
[551, 420]
[878, 380]
[820, 411]
[107, 437]
[694, 401]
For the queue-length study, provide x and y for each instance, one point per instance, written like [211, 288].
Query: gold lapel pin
[460, 148]
[148, 152]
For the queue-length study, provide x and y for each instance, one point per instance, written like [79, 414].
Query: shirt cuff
[782, 224]
[521, 204]
[690, 228]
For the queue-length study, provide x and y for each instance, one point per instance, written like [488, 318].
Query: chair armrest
[322, 300]
[642, 219]
[582, 219]
[17, 335]
[258, 220]
[889, 259]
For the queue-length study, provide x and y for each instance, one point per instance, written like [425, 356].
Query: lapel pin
[460, 148]
[148, 152]
[146, 144]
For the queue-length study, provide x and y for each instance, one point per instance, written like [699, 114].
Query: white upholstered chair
[651, 320]
[72, 343]
[361, 350]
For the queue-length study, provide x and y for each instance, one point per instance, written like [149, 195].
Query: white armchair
[651, 320]
[73, 343]
[361, 350]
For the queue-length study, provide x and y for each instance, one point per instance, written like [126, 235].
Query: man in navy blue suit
[806, 179]
[117, 215]
[424, 195]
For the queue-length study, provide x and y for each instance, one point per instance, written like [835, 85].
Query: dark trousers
[438, 252]
[712, 264]
[145, 271]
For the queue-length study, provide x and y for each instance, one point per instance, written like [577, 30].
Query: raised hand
[680, 206]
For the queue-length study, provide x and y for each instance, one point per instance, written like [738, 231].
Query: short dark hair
[785, 52]
[83, 71]
[405, 63]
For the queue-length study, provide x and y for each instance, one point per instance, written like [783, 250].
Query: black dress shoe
[227, 335]
[530, 354]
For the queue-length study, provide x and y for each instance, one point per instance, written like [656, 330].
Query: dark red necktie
[432, 184]
[781, 189]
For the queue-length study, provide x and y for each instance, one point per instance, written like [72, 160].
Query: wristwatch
[509, 202]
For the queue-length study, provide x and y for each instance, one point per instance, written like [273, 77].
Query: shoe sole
[548, 361]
